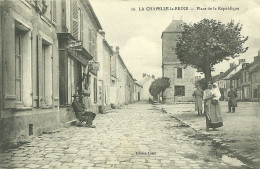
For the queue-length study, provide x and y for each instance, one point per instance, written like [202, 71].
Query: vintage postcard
[125, 84]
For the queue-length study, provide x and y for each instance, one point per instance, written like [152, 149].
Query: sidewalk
[240, 132]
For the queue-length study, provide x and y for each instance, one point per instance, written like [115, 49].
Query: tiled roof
[236, 75]
[226, 73]
[175, 26]
[254, 66]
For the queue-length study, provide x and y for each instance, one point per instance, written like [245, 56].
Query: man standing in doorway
[232, 100]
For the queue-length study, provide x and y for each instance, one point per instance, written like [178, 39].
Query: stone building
[137, 91]
[105, 53]
[146, 83]
[182, 77]
[254, 73]
[29, 61]
[49, 51]
[46, 57]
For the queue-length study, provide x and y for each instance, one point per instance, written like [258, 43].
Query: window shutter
[75, 16]
[90, 40]
[40, 68]
[81, 26]
[8, 41]
[54, 11]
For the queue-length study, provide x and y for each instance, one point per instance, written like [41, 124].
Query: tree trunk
[208, 71]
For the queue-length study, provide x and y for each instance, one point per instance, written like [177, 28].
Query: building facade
[146, 83]
[29, 60]
[49, 51]
[182, 77]
[254, 74]
[246, 81]
[137, 91]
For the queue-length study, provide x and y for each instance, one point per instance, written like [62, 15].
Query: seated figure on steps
[82, 114]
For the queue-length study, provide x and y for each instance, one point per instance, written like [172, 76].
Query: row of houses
[50, 50]
[244, 77]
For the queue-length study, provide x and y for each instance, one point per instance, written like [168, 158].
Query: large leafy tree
[208, 42]
[159, 85]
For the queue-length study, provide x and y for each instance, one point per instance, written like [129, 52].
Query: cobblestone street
[136, 136]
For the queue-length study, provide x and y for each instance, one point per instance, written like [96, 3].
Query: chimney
[117, 49]
[244, 65]
[144, 74]
[232, 64]
[242, 61]
[102, 33]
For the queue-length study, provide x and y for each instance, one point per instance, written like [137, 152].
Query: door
[258, 92]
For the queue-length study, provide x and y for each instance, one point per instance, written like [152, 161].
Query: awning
[74, 48]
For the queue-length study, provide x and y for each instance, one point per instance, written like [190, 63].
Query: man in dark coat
[232, 100]
[82, 113]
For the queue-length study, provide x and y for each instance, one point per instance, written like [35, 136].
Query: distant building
[104, 53]
[182, 77]
[254, 73]
[223, 79]
[246, 81]
[146, 83]
[137, 91]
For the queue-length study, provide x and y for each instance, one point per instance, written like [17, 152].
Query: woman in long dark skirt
[212, 107]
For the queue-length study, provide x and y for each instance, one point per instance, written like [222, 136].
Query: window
[95, 90]
[18, 65]
[75, 19]
[179, 91]
[46, 78]
[179, 73]
[92, 43]
[255, 93]
[53, 11]
[71, 86]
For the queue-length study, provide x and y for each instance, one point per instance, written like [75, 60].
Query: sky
[138, 32]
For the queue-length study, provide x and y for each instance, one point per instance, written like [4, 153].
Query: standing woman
[198, 94]
[214, 114]
[207, 95]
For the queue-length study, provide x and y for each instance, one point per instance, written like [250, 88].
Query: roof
[108, 46]
[175, 26]
[225, 74]
[88, 5]
[138, 84]
[254, 66]
[145, 79]
[237, 75]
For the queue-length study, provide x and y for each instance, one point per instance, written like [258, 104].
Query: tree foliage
[159, 85]
[208, 42]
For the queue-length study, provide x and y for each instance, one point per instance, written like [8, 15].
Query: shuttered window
[80, 25]
[75, 19]
[90, 40]
[18, 65]
[54, 11]
[92, 43]
[179, 73]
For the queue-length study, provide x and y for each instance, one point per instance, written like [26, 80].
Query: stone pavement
[136, 136]
[240, 132]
